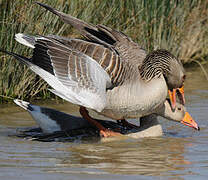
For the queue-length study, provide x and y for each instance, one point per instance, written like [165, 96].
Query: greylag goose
[51, 121]
[106, 72]
[121, 47]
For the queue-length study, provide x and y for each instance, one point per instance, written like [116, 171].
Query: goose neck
[155, 64]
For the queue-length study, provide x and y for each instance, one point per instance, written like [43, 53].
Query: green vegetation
[179, 26]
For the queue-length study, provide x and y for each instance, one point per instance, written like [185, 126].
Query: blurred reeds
[178, 26]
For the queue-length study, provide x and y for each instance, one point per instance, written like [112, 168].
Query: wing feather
[73, 75]
[121, 43]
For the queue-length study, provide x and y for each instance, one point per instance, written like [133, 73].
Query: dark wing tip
[22, 59]
[48, 8]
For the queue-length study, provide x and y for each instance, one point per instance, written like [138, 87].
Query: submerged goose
[51, 121]
[106, 72]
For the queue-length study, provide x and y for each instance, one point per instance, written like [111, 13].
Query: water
[181, 153]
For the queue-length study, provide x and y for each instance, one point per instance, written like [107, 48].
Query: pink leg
[104, 132]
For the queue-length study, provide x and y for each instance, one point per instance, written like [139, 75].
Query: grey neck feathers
[156, 64]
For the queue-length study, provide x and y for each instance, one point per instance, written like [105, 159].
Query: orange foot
[104, 132]
[108, 133]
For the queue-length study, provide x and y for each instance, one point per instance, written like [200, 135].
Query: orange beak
[172, 95]
[188, 121]
[180, 93]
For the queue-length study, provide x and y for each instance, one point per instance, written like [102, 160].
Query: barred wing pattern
[81, 79]
[107, 58]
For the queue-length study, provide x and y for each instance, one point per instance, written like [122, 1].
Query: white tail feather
[19, 38]
[22, 104]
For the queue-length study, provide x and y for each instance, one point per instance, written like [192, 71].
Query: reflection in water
[145, 157]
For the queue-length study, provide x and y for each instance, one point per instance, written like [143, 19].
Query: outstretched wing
[122, 44]
[74, 76]
[108, 59]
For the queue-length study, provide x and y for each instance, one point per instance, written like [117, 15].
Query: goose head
[162, 62]
[178, 115]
